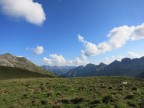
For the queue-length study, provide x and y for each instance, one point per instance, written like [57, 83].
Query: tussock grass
[95, 92]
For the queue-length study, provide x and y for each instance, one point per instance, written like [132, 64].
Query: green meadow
[94, 92]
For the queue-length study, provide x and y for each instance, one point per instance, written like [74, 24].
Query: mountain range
[20, 67]
[125, 67]
[58, 70]
[83, 71]
[11, 65]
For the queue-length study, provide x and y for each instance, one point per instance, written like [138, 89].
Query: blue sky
[47, 32]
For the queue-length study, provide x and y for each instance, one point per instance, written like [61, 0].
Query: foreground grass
[96, 92]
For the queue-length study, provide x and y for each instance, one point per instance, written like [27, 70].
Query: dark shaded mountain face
[9, 60]
[141, 75]
[73, 72]
[125, 67]
[88, 70]
[58, 70]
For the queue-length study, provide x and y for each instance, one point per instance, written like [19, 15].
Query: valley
[26, 85]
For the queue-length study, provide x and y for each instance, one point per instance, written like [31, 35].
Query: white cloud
[20, 56]
[134, 55]
[83, 56]
[131, 55]
[59, 60]
[31, 11]
[38, 50]
[81, 60]
[138, 33]
[117, 38]
[109, 60]
[90, 48]
[81, 39]
[47, 60]
[56, 60]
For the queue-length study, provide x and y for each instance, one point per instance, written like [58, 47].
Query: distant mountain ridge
[9, 60]
[84, 71]
[58, 70]
[125, 67]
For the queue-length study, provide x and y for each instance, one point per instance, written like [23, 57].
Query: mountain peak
[115, 62]
[7, 57]
[126, 60]
[89, 65]
[8, 54]
[102, 64]
[142, 57]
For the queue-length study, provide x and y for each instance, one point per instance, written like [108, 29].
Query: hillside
[10, 60]
[95, 92]
[17, 73]
[125, 67]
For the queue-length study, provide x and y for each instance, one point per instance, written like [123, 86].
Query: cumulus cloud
[117, 38]
[38, 50]
[59, 60]
[55, 60]
[29, 10]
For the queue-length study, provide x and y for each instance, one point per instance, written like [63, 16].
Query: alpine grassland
[90, 92]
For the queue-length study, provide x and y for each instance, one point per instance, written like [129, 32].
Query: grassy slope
[95, 92]
[10, 60]
[14, 73]
[28, 65]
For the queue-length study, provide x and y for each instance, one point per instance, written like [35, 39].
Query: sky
[72, 32]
